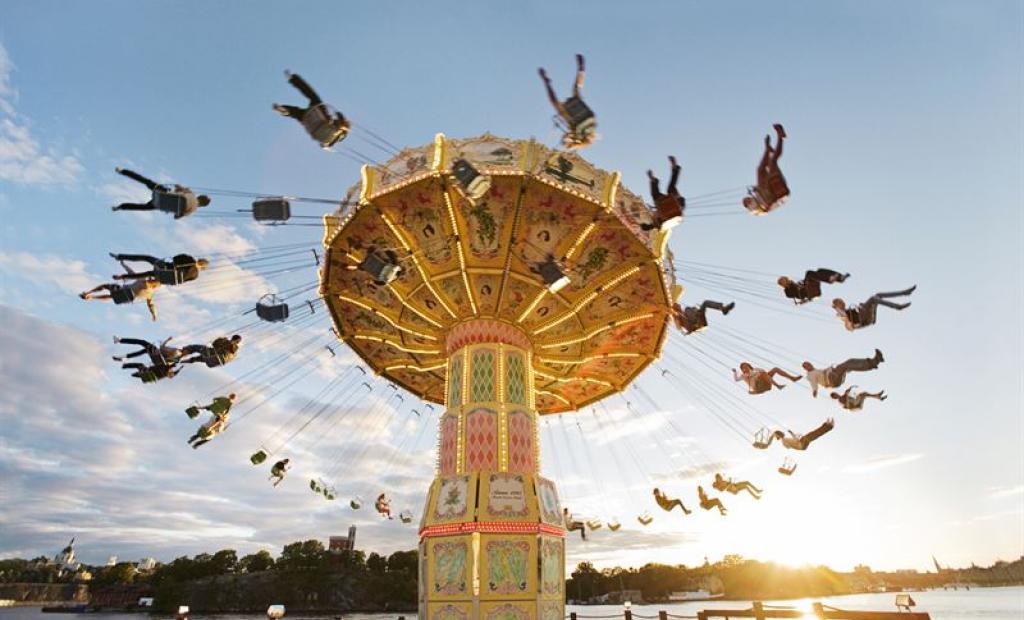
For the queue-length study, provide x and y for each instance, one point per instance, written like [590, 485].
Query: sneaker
[728, 307]
[280, 109]
[878, 356]
[778, 129]
[119, 170]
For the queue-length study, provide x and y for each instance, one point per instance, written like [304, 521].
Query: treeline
[745, 579]
[738, 578]
[305, 576]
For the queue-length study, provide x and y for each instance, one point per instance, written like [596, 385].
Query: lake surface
[988, 603]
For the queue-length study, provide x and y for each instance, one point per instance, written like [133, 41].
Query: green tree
[224, 561]
[305, 555]
[256, 562]
[120, 573]
[376, 564]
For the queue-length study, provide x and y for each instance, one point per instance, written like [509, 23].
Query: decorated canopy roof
[465, 260]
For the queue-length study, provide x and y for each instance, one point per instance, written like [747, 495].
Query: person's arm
[812, 378]
[152, 307]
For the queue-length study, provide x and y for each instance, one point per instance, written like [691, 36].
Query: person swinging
[324, 124]
[572, 525]
[759, 380]
[125, 293]
[220, 405]
[865, 314]
[835, 376]
[707, 503]
[728, 485]
[694, 318]
[163, 353]
[177, 200]
[667, 504]
[809, 289]
[382, 265]
[855, 402]
[180, 269]
[383, 505]
[219, 352]
[220, 410]
[577, 118]
[794, 441]
[668, 207]
[771, 189]
[279, 470]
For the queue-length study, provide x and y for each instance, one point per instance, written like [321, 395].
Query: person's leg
[778, 371]
[136, 258]
[715, 305]
[191, 360]
[903, 293]
[135, 206]
[764, 167]
[580, 70]
[199, 443]
[291, 111]
[890, 304]
[139, 275]
[816, 433]
[777, 151]
[135, 176]
[190, 349]
[856, 364]
[552, 97]
[877, 395]
[655, 191]
[133, 366]
[673, 180]
[133, 354]
[139, 342]
[857, 401]
[826, 275]
[304, 88]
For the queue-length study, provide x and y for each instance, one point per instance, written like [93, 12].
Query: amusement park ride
[504, 280]
[542, 295]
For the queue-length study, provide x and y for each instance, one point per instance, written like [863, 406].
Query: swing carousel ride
[501, 280]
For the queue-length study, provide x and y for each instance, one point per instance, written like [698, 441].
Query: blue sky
[904, 159]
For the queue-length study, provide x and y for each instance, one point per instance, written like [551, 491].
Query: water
[988, 603]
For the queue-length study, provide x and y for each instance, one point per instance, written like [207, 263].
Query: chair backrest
[271, 210]
[904, 601]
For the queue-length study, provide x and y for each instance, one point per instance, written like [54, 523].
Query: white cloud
[69, 275]
[22, 158]
[881, 462]
[1001, 492]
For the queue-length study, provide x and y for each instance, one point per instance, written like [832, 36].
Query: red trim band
[491, 527]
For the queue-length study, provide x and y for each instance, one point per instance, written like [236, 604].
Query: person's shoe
[280, 109]
[650, 174]
[543, 74]
[84, 295]
[579, 62]
[878, 357]
[910, 290]
[287, 74]
[903, 306]
[672, 160]
[686, 512]
[728, 307]
[119, 170]
[115, 208]
[883, 395]
[779, 130]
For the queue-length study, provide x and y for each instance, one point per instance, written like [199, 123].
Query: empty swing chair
[325, 125]
[763, 438]
[614, 525]
[405, 517]
[192, 411]
[474, 184]
[788, 467]
[383, 267]
[594, 524]
[355, 503]
[272, 210]
[271, 308]
[552, 274]
[258, 457]
[645, 518]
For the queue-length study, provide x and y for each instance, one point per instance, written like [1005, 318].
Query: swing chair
[271, 308]
[579, 123]
[192, 411]
[383, 268]
[788, 467]
[552, 274]
[645, 518]
[258, 457]
[614, 525]
[763, 438]
[170, 201]
[355, 503]
[325, 125]
[594, 524]
[474, 184]
[405, 516]
[271, 210]
[669, 210]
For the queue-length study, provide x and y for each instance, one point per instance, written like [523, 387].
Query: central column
[492, 545]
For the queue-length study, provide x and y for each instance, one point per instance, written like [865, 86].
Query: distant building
[340, 544]
[65, 560]
[146, 564]
[112, 560]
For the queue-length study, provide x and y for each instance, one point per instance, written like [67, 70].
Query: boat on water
[694, 595]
